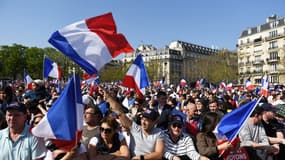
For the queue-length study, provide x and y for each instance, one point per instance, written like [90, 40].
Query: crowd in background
[170, 122]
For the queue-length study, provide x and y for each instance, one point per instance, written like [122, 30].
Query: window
[257, 58]
[249, 31]
[241, 41]
[248, 40]
[273, 34]
[274, 24]
[258, 29]
[273, 44]
[273, 55]
[273, 67]
[258, 68]
[274, 79]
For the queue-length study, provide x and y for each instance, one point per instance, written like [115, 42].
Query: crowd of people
[167, 124]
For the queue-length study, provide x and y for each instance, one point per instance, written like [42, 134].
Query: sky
[210, 23]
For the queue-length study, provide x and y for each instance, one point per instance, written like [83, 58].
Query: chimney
[271, 18]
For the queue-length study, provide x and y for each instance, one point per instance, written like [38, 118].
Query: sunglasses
[106, 130]
[177, 125]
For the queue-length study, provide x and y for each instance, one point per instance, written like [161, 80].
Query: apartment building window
[258, 68]
[273, 44]
[247, 40]
[273, 67]
[273, 34]
[248, 70]
[241, 41]
[274, 79]
[274, 24]
[273, 55]
[257, 58]
[249, 31]
[258, 29]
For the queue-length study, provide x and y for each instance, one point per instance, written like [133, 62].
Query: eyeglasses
[105, 130]
[177, 125]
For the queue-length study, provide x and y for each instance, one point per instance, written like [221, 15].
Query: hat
[17, 106]
[269, 107]
[150, 114]
[176, 119]
[281, 110]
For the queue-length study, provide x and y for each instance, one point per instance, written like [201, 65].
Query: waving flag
[265, 85]
[28, 81]
[51, 69]
[231, 123]
[91, 43]
[137, 77]
[183, 82]
[64, 120]
[229, 86]
[249, 85]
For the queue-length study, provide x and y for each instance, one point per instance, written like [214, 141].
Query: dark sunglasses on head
[106, 130]
[178, 125]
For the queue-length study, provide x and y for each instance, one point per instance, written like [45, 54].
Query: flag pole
[75, 96]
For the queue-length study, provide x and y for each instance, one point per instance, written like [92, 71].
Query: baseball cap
[150, 114]
[269, 107]
[174, 119]
[17, 106]
[281, 110]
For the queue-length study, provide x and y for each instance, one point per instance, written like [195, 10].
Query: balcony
[257, 62]
[273, 60]
[274, 37]
[248, 63]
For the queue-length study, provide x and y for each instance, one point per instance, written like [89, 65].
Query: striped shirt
[184, 146]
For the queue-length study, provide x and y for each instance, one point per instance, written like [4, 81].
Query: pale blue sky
[156, 22]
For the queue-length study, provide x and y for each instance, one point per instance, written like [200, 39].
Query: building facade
[261, 51]
[172, 62]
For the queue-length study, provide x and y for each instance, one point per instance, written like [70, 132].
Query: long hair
[209, 122]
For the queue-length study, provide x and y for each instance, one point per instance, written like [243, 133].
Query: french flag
[265, 86]
[28, 81]
[231, 123]
[64, 121]
[51, 69]
[137, 77]
[183, 82]
[249, 85]
[91, 43]
[229, 86]
[223, 85]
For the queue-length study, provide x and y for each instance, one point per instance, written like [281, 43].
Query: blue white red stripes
[51, 69]
[137, 77]
[91, 43]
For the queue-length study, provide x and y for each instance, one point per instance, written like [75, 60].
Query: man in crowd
[148, 140]
[16, 140]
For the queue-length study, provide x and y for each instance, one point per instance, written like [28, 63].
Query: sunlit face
[147, 124]
[176, 129]
[106, 131]
[190, 109]
[90, 116]
[213, 107]
[15, 119]
[34, 86]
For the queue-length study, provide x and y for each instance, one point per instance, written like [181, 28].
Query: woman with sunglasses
[109, 144]
[179, 145]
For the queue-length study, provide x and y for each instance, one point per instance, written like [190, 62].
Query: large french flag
[28, 81]
[91, 43]
[64, 120]
[51, 69]
[137, 77]
[231, 123]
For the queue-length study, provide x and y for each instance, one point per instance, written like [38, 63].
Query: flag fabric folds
[91, 43]
[249, 85]
[231, 123]
[51, 69]
[137, 77]
[265, 86]
[183, 82]
[64, 120]
[28, 80]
